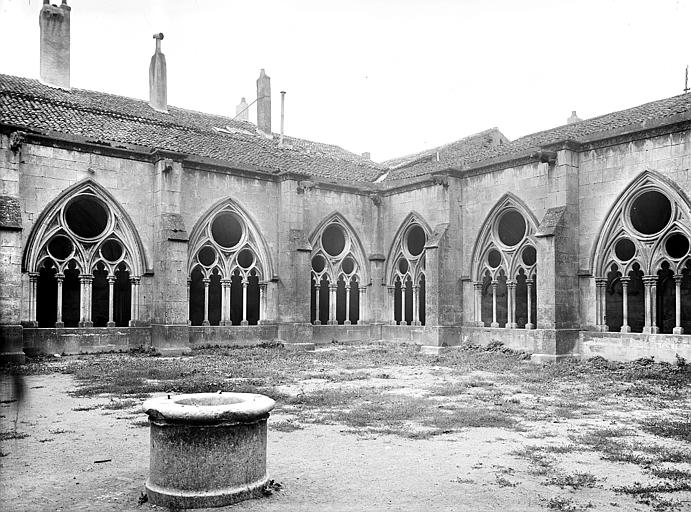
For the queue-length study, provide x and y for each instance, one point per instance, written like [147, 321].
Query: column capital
[111, 279]
[245, 283]
[362, 290]
[601, 281]
[225, 282]
[678, 278]
[511, 284]
[86, 278]
[33, 276]
[625, 279]
[333, 287]
[59, 276]
[649, 280]
[495, 283]
[477, 285]
[206, 281]
[530, 281]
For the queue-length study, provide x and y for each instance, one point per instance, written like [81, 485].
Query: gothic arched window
[505, 267]
[406, 273]
[85, 262]
[338, 274]
[643, 262]
[228, 268]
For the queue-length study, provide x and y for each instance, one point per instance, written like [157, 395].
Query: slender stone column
[111, 287]
[262, 303]
[88, 300]
[601, 284]
[347, 306]
[625, 304]
[494, 303]
[225, 301]
[189, 303]
[511, 317]
[363, 311]
[678, 329]
[245, 283]
[478, 304]
[654, 329]
[332, 304]
[530, 324]
[33, 280]
[416, 305]
[647, 328]
[206, 282]
[392, 304]
[60, 277]
[133, 302]
[317, 291]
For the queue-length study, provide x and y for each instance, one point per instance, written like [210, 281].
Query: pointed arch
[251, 238]
[52, 222]
[396, 248]
[353, 247]
[615, 224]
[487, 236]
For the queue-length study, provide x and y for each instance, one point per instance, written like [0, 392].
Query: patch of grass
[46, 440]
[285, 426]
[541, 464]
[503, 482]
[575, 481]
[639, 488]
[116, 405]
[328, 398]
[12, 434]
[566, 504]
[448, 388]
[57, 431]
[85, 408]
[469, 417]
[384, 410]
[670, 473]
[663, 427]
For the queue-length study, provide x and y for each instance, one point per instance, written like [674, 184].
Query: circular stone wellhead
[207, 449]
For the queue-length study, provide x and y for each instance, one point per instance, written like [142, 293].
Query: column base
[244, 322]
[393, 322]
[678, 330]
[347, 322]
[110, 324]
[512, 325]
[317, 322]
[59, 325]
[205, 323]
[494, 324]
[625, 328]
[602, 328]
[530, 326]
[332, 322]
[651, 329]
[417, 323]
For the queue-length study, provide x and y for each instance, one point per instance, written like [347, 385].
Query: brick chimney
[242, 111]
[55, 44]
[158, 86]
[264, 103]
[574, 118]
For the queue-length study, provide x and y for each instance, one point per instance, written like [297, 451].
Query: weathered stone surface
[207, 449]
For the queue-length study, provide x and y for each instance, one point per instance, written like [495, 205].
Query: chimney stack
[574, 118]
[242, 111]
[55, 44]
[158, 86]
[264, 103]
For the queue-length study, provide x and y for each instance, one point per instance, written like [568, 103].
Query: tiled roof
[641, 116]
[441, 157]
[106, 118]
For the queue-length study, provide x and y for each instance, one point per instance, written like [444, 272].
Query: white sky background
[389, 77]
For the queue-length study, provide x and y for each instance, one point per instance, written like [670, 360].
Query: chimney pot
[242, 110]
[574, 118]
[158, 85]
[54, 23]
[264, 102]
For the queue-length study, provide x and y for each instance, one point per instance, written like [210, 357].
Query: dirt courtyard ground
[366, 427]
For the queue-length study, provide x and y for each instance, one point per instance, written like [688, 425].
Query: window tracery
[505, 267]
[84, 261]
[642, 261]
[228, 269]
[339, 274]
[406, 272]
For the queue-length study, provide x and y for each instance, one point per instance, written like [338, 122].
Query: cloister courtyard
[376, 426]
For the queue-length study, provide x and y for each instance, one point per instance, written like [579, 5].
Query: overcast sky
[388, 77]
